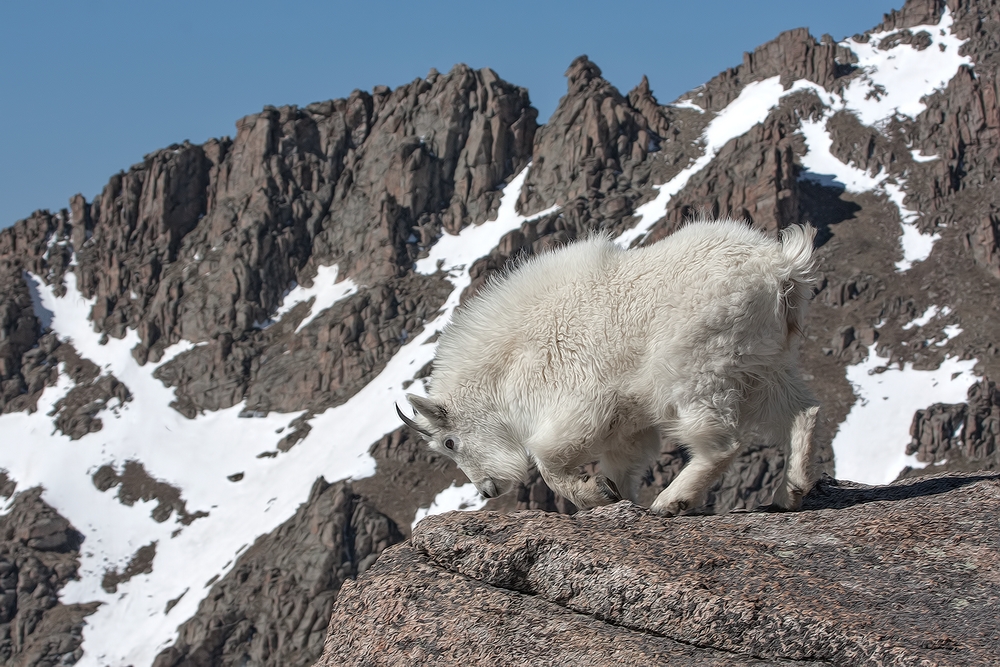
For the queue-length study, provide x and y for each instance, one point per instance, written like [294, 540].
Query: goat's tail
[797, 250]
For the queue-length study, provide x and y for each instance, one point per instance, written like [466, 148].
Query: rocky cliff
[250, 303]
[897, 575]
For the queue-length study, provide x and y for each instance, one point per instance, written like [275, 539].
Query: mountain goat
[593, 352]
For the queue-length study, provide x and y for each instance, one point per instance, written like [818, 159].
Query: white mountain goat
[593, 352]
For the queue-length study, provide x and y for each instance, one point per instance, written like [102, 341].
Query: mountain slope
[179, 365]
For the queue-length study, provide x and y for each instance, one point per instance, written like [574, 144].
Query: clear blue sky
[88, 88]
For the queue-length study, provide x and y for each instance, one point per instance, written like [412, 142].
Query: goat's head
[483, 447]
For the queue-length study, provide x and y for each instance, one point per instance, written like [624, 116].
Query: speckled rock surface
[905, 574]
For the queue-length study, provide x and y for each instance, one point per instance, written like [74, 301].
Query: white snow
[823, 167]
[896, 80]
[325, 292]
[893, 81]
[928, 315]
[950, 332]
[197, 456]
[687, 104]
[870, 445]
[749, 108]
[933, 312]
[194, 455]
[454, 498]
[916, 245]
[920, 157]
[457, 252]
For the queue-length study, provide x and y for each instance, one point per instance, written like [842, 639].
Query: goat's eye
[449, 443]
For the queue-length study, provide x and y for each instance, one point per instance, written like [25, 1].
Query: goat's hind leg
[798, 478]
[712, 448]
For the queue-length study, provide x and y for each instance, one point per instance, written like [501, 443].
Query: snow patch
[870, 445]
[920, 157]
[131, 626]
[455, 253]
[821, 165]
[751, 107]
[43, 314]
[687, 104]
[916, 245]
[323, 294]
[896, 80]
[454, 498]
[892, 81]
[929, 314]
[950, 332]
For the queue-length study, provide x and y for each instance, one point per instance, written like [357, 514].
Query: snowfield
[325, 292]
[870, 445]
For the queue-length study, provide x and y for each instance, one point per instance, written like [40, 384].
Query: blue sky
[88, 88]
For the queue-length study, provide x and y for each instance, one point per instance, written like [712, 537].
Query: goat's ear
[434, 412]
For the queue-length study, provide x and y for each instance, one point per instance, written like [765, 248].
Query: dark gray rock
[957, 437]
[134, 484]
[591, 135]
[140, 563]
[39, 553]
[19, 332]
[273, 606]
[408, 476]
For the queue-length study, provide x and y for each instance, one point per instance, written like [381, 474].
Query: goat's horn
[409, 422]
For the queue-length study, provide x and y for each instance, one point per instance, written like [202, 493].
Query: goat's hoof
[787, 500]
[608, 489]
[670, 508]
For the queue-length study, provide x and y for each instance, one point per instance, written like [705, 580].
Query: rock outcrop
[898, 575]
[958, 436]
[593, 134]
[201, 242]
[19, 332]
[39, 553]
[272, 607]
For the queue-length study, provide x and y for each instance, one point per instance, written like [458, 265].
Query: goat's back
[593, 312]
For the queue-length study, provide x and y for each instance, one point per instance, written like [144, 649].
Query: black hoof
[608, 489]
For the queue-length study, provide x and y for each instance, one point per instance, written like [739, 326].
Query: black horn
[412, 424]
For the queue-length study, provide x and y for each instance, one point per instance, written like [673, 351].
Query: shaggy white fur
[593, 352]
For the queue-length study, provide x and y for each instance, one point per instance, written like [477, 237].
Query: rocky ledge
[906, 574]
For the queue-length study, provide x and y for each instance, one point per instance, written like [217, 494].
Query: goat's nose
[488, 489]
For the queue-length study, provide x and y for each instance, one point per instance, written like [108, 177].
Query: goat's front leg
[626, 461]
[583, 490]
[712, 448]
